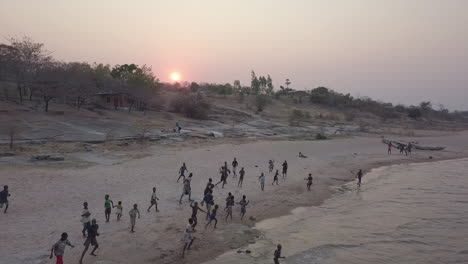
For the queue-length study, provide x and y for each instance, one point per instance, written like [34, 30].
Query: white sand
[45, 202]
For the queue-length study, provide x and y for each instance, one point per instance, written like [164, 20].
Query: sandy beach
[46, 201]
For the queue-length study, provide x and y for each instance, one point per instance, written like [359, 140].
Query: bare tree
[79, 82]
[50, 82]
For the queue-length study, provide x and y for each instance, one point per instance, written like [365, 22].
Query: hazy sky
[403, 51]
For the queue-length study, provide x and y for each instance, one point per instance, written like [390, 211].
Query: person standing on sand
[359, 176]
[277, 254]
[59, 248]
[234, 166]
[91, 239]
[410, 147]
[243, 203]
[182, 171]
[108, 204]
[195, 209]
[119, 209]
[275, 178]
[4, 198]
[285, 169]
[389, 151]
[241, 177]
[133, 214]
[309, 181]
[229, 199]
[85, 218]
[261, 178]
[188, 236]
[213, 217]
[271, 166]
[153, 201]
[186, 191]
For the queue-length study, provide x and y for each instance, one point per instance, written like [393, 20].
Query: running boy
[213, 217]
[188, 236]
[195, 209]
[91, 239]
[285, 169]
[234, 166]
[241, 177]
[85, 220]
[4, 198]
[182, 171]
[186, 191]
[277, 254]
[243, 203]
[261, 178]
[59, 248]
[153, 200]
[359, 176]
[275, 178]
[270, 166]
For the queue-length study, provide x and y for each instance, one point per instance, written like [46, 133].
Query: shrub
[320, 137]
[261, 101]
[414, 113]
[297, 116]
[191, 105]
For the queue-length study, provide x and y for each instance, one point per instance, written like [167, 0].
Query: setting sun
[175, 76]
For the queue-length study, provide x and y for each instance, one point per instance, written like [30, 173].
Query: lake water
[415, 213]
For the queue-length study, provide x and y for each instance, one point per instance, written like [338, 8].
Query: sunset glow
[175, 76]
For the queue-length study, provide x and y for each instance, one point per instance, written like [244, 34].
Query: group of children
[90, 227]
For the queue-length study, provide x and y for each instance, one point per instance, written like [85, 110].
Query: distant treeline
[35, 74]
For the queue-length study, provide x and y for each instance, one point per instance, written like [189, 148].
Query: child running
[108, 204]
[85, 218]
[213, 217]
[277, 254]
[59, 248]
[309, 181]
[241, 177]
[208, 199]
[188, 236]
[271, 166]
[133, 214]
[229, 206]
[182, 171]
[186, 191]
[153, 201]
[261, 178]
[118, 212]
[195, 209]
[91, 239]
[234, 166]
[275, 178]
[4, 198]
[243, 203]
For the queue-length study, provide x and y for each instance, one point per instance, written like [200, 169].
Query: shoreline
[157, 236]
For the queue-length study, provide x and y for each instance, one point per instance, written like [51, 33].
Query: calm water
[401, 214]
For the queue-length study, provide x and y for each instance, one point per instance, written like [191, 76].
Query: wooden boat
[428, 148]
[397, 144]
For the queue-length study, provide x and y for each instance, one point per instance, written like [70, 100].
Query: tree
[24, 59]
[254, 84]
[50, 82]
[269, 86]
[194, 87]
[79, 82]
[414, 112]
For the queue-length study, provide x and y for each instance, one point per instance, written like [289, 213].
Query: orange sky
[399, 50]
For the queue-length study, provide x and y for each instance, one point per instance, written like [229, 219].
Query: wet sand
[47, 201]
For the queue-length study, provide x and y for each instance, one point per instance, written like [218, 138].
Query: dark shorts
[153, 201]
[90, 240]
[108, 210]
[243, 210]
[212, 217]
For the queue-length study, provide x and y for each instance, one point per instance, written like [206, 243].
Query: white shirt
[85, 219]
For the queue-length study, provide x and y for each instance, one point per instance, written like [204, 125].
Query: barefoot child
[213, 217]
[243, 203]
[195, 209]
[241, 177]
[285, 169]
[359, 176]
[59, 248]
[85, 220]
[182, 171]
[234, 166]
[118, 212]
[187, 190]
[309, 181]
[261, 178]
[208, 199]
[277, 254]
[108, 204]
[188, 236]
[229, 206]
[91, 239]
[4, 198]
[275, 178]
[133, 214]
[153, 200]
[270, 166]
